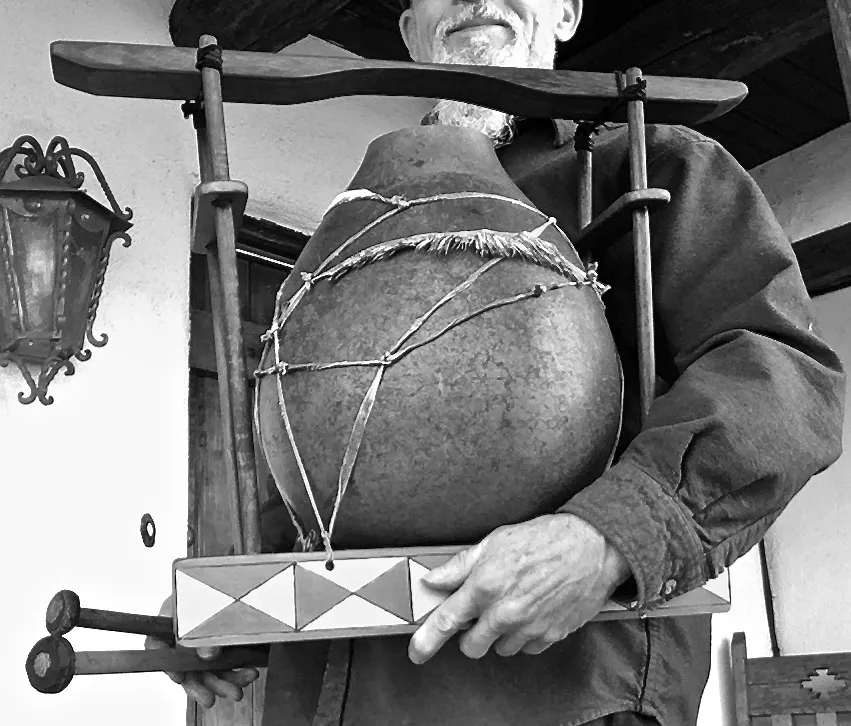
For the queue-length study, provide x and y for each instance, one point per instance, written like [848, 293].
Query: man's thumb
[210, 653]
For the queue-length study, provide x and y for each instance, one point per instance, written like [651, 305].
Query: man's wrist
[616, 565]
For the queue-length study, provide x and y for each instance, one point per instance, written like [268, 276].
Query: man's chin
[477, 51]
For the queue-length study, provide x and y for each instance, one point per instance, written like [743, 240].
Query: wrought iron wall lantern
[54, 250]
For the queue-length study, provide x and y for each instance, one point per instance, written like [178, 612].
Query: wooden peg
[641, 246]
[64, 614]
[52, 662]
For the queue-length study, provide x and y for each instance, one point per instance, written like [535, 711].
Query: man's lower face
[493, 36]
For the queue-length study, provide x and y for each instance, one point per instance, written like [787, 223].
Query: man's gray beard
[497, 125]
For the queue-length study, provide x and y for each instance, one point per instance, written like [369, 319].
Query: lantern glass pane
[29, 230]
[34, 249]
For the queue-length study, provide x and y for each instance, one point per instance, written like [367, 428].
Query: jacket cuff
[651, 529]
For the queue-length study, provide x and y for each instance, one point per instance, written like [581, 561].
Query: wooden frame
[115, 69]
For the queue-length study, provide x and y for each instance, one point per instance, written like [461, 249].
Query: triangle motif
[196, 602]
[432, 561]
[355, 573]
[237, 580]
[720, 586]
[276, 597]
[424, 599]
[239, 619]
[697, 598]
[391, 591]
[354, 612]
[314, 595]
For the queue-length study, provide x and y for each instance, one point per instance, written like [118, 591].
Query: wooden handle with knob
[52, 662]
[64, 614]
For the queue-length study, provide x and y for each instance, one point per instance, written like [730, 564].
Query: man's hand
[205, 686]
[526, 586]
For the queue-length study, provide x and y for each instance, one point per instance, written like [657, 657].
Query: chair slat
[786, 697]
[797, 667]
[782, 720]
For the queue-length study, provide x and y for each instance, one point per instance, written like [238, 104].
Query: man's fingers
[198, 691]
[536, 647]
[176, 677]
[493, 624]
[510, 644]
[241, 676]
[221, 686]
[452, 573]
[152, 643]
[447, 619]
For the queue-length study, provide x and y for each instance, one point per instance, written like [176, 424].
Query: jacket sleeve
[756, 405]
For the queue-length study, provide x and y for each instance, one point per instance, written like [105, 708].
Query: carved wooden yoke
[197, 79]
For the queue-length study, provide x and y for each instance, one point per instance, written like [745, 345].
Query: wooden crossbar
[165, 72]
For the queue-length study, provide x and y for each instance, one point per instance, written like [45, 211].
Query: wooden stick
[616, 221]
[64, 614]
[641, 246]
[218, 315]
[248, 494]
[178, 661]
[52, 662]
[225, 404]
[151, 71]
[584, 145]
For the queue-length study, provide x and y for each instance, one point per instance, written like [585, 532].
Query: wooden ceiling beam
[825, 260]
[367, 29]
[840, 22]
[722, 39]
[257, 25]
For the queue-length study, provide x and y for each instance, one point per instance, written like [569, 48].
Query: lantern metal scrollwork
[54, 250]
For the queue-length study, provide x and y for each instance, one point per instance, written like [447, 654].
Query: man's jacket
[750, 406]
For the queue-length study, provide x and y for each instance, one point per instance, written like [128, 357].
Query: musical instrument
[464, 373]
[440, 362]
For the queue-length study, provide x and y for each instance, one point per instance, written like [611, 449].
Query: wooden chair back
[792, 690]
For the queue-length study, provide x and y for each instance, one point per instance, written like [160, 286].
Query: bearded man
[750, 407]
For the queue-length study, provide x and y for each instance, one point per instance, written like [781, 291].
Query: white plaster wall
[78, 476]
[810, 191]
[295, 159]
[747, 614]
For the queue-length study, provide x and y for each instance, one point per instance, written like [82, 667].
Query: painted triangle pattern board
[276, 598]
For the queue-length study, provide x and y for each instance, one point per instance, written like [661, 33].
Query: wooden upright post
[641, 248]
[233, 365]
[840, 22]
